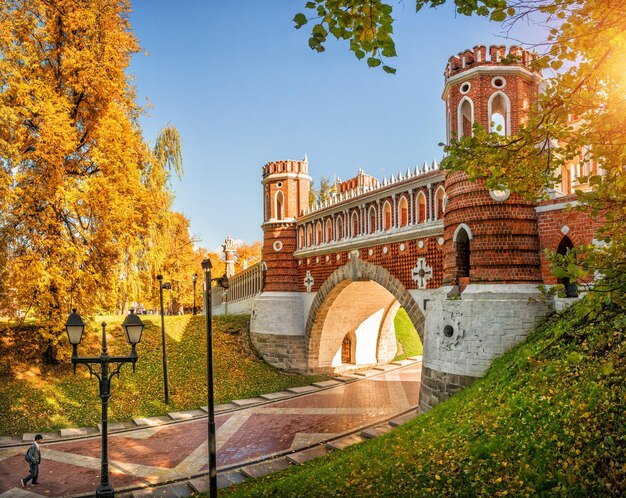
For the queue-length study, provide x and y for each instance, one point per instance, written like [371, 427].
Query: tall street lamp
[133, 328]
[194, 277]
[222, 282]
[162, 286]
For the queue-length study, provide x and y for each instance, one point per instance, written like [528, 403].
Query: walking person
[33, 457]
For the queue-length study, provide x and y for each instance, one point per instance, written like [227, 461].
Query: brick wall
[505, 244]
[556, 221]
[399, 263]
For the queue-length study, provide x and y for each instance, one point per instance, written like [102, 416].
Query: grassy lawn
[549, 419]
[38, 398]
[408, 340]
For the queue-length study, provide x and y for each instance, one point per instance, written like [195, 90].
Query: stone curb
[187, 415]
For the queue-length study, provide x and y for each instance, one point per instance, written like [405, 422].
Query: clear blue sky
[243, 88]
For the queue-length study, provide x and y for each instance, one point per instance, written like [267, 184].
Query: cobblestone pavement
[155, 454]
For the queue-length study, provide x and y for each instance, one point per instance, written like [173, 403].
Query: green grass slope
[549, 419]
[408, 340]
[39, 398]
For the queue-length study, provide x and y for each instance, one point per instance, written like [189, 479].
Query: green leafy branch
[367, 25]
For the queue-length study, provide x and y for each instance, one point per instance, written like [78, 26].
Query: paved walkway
[156, 454]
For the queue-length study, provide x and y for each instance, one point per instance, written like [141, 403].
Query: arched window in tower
[499, 111]
[309, 235]
[300, 238]
[372, 219]
[280, 200]
[465, 117]
[387, 215]
[339, 227]
[462, 237]
[329, 230]
[403, 209]
[565, 246]
[354, 221]
[421, 208]
[267, 207]
[319, 235]
[440, 207]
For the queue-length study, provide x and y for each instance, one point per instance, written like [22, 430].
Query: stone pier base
[287, 352]
[439, 386]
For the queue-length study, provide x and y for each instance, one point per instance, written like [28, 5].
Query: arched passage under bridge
[351, 320]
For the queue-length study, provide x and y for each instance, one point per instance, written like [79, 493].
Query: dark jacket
[33, 454]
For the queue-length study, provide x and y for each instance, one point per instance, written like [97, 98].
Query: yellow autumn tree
[77, 181]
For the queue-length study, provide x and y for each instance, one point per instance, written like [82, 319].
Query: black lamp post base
[105, 492]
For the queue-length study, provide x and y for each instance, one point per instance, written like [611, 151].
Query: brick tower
[491, 236]
[230, 255]
[286, 186]
[489, 299]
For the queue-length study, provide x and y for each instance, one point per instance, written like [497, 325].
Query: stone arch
[357, 271]
[462, 247]
[467, 229]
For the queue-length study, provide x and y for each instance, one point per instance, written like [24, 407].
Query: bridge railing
[243, 285]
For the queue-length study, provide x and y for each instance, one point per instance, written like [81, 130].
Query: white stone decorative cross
[422, 273]
[308, 281]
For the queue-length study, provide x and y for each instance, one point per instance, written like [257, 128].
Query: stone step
[264, 468]
[248, 401]
[303, 389]
[82, 431]
[367, 373]
[278, 395]
[201, 484]
[228, 479]
[186, 415]
[344, 442]
[402, 363]
[379, 430]
[345, 378]
[310, 454]
[177, 490]
[403, 419]
[384, 368]
[150, 421]
[326, 383]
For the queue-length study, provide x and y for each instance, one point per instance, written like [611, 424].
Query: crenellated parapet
[286, 166]
[495, 55]
[365, 184]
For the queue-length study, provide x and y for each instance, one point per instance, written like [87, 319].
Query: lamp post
[194, 277]
[222, 282]
[162, 286]
[133, 328]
